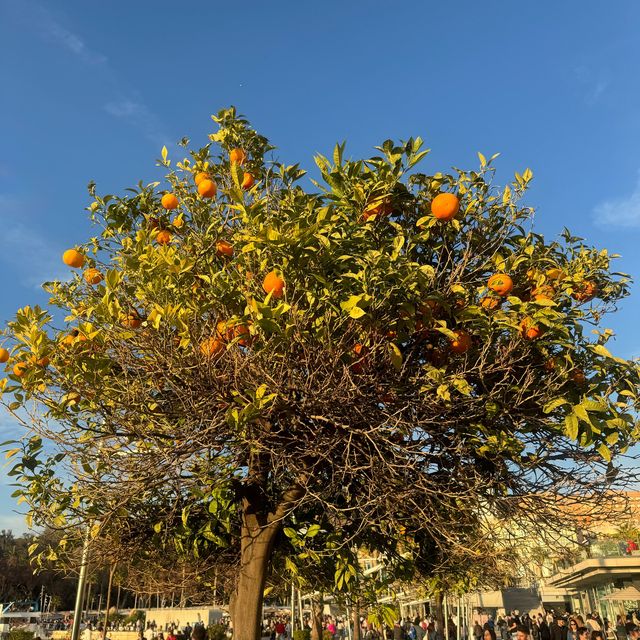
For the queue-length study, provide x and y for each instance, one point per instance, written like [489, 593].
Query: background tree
[19, 582]
[392, 351]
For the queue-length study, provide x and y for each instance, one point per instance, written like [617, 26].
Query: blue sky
[92, 90]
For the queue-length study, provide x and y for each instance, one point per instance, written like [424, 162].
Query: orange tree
[390, 354]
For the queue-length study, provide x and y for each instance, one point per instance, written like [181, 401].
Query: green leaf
[602, 351]
[581, 413]
[554, 404]
[605, 452]
[357, 312]
[571, 426]
[396, 356]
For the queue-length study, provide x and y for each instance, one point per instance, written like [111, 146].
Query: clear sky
[92, 90]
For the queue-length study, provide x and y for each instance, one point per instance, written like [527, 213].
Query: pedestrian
[398, 631]
[572, 631]
[558, 629]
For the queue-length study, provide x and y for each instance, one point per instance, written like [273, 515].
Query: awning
[629, 593]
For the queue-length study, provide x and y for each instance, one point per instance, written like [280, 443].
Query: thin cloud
[41, 258]
[620, 212]
[139, 115]
[128, 107]
[593, 82]
[54, 32]
[72, 42]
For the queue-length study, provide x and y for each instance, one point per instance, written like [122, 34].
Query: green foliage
[216, 632]
[135, 616]
[20, 634]
[302, 634]
[186, 397]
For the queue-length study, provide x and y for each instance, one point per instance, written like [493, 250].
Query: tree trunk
[317, 605]
[112, 570]
[356, 621]
[246, 606]
[439, 614]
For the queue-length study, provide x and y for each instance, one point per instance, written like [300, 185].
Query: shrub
[217, 632]
[302, 634]
[20, 634]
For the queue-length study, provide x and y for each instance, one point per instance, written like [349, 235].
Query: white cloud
[56, 33]
[129, 107]
[620, 212]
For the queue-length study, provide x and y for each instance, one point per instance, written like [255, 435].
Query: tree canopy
[385, 357]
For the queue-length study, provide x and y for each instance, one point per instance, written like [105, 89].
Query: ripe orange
[4, 355]
[529, 329]
[445, 206]
[237, 156]
[200, 176]
[73, 258]
[20, 368]
[243, 334]
[585, 291]
[211, 347]
[500, 283]
[490, 303]
[224, 248]
[273, 284]
[163, 237]
[207, 188]
[360, 352]
[578, 377]
[224, 331]
[178, 222]
[378, 207]
[67, 341]
[169, 201]
[92, 276]
[131, 321]
[248, 181]
[41, 362]
[461, 343]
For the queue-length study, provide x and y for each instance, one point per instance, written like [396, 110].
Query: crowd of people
[541, 626]
[548, 626]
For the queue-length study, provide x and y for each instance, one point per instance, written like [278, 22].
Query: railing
[608, 548]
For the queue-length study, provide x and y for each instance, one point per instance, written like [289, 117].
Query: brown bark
[356, 621]
[112, 570]
[439, 614]
[246, 607]
[317, 605]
